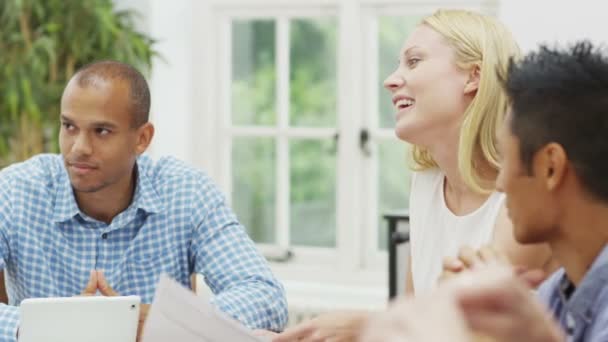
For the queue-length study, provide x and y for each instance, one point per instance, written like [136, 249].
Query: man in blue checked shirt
[554, 167]
[103, 218]
[554, 172]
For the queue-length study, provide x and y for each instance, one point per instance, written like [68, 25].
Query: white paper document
[179, 315]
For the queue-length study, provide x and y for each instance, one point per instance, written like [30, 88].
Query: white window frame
[356, 256]
[281, 131]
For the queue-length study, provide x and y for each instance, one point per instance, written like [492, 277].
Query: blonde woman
[448, 104]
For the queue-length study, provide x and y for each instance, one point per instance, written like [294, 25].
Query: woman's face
[430, 93]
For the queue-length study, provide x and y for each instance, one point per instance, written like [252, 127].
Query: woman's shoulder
[426, 177]
[424, 192]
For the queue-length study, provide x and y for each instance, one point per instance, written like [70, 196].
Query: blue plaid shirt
[582, 312]
[177, 223]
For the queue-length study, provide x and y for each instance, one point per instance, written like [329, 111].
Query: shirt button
[104, 236]
[570, 324]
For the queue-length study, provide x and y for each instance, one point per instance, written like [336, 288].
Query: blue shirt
[178, 224]
[582, 312]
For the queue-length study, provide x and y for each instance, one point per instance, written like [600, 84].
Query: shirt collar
[583, 300]
[146, 198]
[65, 207]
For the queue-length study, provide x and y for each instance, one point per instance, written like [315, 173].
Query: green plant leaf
[64, 34]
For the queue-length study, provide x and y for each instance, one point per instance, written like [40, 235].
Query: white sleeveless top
[436, 232]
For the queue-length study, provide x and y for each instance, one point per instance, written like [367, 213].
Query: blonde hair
[482, 41]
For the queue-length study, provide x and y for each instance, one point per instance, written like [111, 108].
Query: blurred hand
[433, 318]
[336, 326]
[492, 301]
[469, 258]
[498, 303]
[265, 333]
[97, 281]
[487, 256]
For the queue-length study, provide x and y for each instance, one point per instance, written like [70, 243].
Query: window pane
[313, 72]
[393, 182]
[313, 193]
[392, 32]
[253, 72]
[253, 186]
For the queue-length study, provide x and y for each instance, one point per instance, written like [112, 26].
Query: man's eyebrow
[106, 124]
[65, 118]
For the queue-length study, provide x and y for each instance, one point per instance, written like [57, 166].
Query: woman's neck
[460, 198]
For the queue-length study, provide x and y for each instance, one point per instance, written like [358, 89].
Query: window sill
[326, 288]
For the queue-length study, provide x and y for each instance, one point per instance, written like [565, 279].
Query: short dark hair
[109, 70]
[560, 95]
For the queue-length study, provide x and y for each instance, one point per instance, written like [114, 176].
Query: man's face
[97, 140]
[532, 207]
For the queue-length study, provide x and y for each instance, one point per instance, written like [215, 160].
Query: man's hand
[91, 288]
[428, 318]
[339, 326]
[498, 303]
[98, 282]
[491, 300]
[468, 258]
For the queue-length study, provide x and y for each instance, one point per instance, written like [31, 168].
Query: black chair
[395, 238]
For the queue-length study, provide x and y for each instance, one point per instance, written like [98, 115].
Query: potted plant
[42, 43]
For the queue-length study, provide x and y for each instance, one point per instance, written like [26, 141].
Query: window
[283, 128]
[391, 163]
[309, 157]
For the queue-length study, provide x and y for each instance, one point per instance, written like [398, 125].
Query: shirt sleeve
[9, 322]
[9, 315]
[237, 274]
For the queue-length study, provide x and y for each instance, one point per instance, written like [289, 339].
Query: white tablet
[79, 319]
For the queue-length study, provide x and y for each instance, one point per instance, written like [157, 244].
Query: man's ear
[470, 88]
[145, 133]
[550, 163]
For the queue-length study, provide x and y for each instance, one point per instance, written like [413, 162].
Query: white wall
[535, 21]
[140, 6]
[178, 102]
[172, 77]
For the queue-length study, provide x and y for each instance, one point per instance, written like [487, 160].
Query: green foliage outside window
[313, 96]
